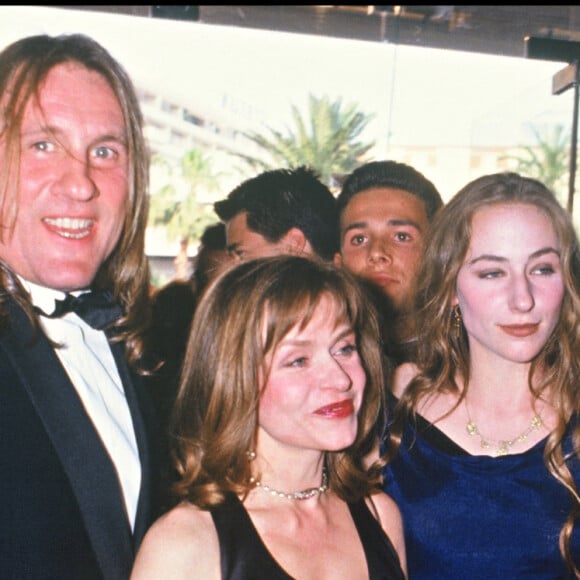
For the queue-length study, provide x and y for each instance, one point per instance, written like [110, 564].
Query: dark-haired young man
[280, 211]
[385, 208]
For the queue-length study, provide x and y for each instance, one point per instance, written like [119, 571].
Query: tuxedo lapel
[132, 384]
[87, 464]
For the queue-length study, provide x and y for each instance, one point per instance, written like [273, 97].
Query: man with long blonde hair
[76, 465]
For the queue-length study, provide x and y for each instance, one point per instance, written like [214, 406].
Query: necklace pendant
[502, 448]
[471, 428]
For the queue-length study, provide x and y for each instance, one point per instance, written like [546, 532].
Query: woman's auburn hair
[240, 320]
[443, 354]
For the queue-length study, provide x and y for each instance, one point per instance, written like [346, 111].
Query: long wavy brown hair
[241, 319]
[444, 355]
[24, 65]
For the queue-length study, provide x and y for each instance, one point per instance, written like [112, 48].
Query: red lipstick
[337, 410]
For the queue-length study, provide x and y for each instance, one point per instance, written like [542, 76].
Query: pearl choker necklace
[304, 494]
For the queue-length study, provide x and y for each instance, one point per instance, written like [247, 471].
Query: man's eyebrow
[113, 137]
[355, 226]
[57, 132]
[404, 222]
[232, 247]
[391, 222]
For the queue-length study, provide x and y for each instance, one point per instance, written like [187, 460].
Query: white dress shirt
[90, 365]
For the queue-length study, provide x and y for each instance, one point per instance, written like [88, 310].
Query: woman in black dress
[276, 410]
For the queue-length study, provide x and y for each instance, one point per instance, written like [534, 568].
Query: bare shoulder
[182, 543]
[388, 510]
[392, 523]
[403, 375]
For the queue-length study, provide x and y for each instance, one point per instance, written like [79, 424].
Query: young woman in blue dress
[485, 434]
[277, 407]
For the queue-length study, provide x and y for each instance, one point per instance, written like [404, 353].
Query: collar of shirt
[87, 358]
[45, 298]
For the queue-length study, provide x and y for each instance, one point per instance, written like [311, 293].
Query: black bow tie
[97, 309]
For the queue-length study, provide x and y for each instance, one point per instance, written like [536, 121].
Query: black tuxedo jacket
[62, 514]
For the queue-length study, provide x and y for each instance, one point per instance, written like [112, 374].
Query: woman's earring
[251, 455]
[457, 321]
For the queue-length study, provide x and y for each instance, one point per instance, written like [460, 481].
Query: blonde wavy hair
[443, 356]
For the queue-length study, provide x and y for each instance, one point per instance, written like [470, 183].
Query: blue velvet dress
[477, 517]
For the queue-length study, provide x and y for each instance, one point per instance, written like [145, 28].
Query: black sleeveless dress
[245, 557]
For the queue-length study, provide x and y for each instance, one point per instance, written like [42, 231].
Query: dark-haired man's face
[382, 233]
[245, 244]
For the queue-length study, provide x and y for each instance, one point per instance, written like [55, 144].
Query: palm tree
[327, 141]
[181, 212]
[547, 160]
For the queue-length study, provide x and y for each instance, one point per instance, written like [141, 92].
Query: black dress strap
[382, 559]
[243, 554]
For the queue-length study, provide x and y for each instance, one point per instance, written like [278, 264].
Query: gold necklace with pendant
[502, 446]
